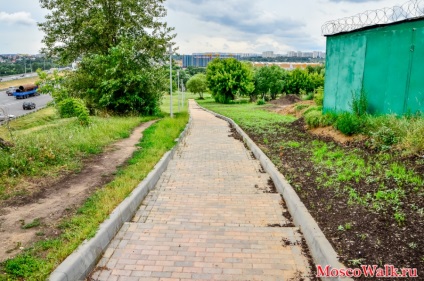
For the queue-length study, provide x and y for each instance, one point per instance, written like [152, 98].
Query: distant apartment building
[318, 54]
[299, 54]
[268, 54]
[202, 59]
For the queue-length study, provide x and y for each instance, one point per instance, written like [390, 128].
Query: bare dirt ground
[372, 237]
[50, 201]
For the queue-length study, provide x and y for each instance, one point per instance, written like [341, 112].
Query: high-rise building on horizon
[202, 59]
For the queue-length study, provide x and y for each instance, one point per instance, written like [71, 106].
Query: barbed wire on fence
[409, 10]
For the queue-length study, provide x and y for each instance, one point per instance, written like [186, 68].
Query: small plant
[359, 103]
[307, 96]
[384, 138]
[260, 102]
[32, 224]
[300, 107]
[315, 119]
[399, 217]
[348, 226]
[356, 262]
[293, 144]
[341, 228]
[349, 124]
[413, 245]
[362, 236]
[319, 96]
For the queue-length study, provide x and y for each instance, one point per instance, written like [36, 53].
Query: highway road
[14, 106]
[18, 76]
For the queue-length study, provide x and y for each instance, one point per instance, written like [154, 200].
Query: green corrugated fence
[387, 62]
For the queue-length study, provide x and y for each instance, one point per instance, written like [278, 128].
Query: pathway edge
[79, 264]
[321, 250]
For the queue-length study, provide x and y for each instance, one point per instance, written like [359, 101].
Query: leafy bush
[72, 107]
[349, 123]
[384, 138]
[319, 96]
[260, 102]
[300, 79]
[315, 119]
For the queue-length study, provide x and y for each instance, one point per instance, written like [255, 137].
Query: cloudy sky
[242, 26]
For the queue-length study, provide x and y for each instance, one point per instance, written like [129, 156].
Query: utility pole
[182, 90]
[179, 92]
[170, 77]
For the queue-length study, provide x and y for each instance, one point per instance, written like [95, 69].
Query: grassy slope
[45, 145]
[37, 262]
[17, 82]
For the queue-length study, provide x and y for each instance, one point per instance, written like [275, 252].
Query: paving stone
[208, 218]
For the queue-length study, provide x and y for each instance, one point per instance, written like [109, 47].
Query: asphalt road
[14, 106]
[18, 76]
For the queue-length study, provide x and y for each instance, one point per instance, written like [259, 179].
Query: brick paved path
[209, 218]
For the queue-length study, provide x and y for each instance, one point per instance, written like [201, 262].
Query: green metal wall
[387, 62]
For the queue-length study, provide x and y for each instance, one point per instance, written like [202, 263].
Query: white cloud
[21, 18]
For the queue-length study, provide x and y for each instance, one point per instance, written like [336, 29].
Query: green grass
[48, 145]
[248, 115]
[45, 116]
[37, 262]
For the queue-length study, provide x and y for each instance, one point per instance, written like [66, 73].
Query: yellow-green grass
[45, 116]
[17, 82]
[37, 262]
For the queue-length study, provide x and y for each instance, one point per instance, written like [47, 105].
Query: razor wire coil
[409, 10]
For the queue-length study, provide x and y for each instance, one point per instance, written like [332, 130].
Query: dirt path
[57, 200]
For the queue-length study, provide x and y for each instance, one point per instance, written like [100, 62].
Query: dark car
[28, 105]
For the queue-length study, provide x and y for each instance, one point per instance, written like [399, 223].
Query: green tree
[120, 81]
[304, 79]
[197, 84]
[122, 45]
[77, 28]
[193, 70]
[227, 78]
[269, 79]
[297, 80]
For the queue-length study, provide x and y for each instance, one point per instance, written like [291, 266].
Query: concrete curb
[83, 260]
[321, 250]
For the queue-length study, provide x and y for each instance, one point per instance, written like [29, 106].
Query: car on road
[10, 91]
[28, 105]
[8, 117]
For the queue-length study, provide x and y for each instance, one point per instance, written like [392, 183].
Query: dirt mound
[335, 135]
[296, 109]
[286, 100]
